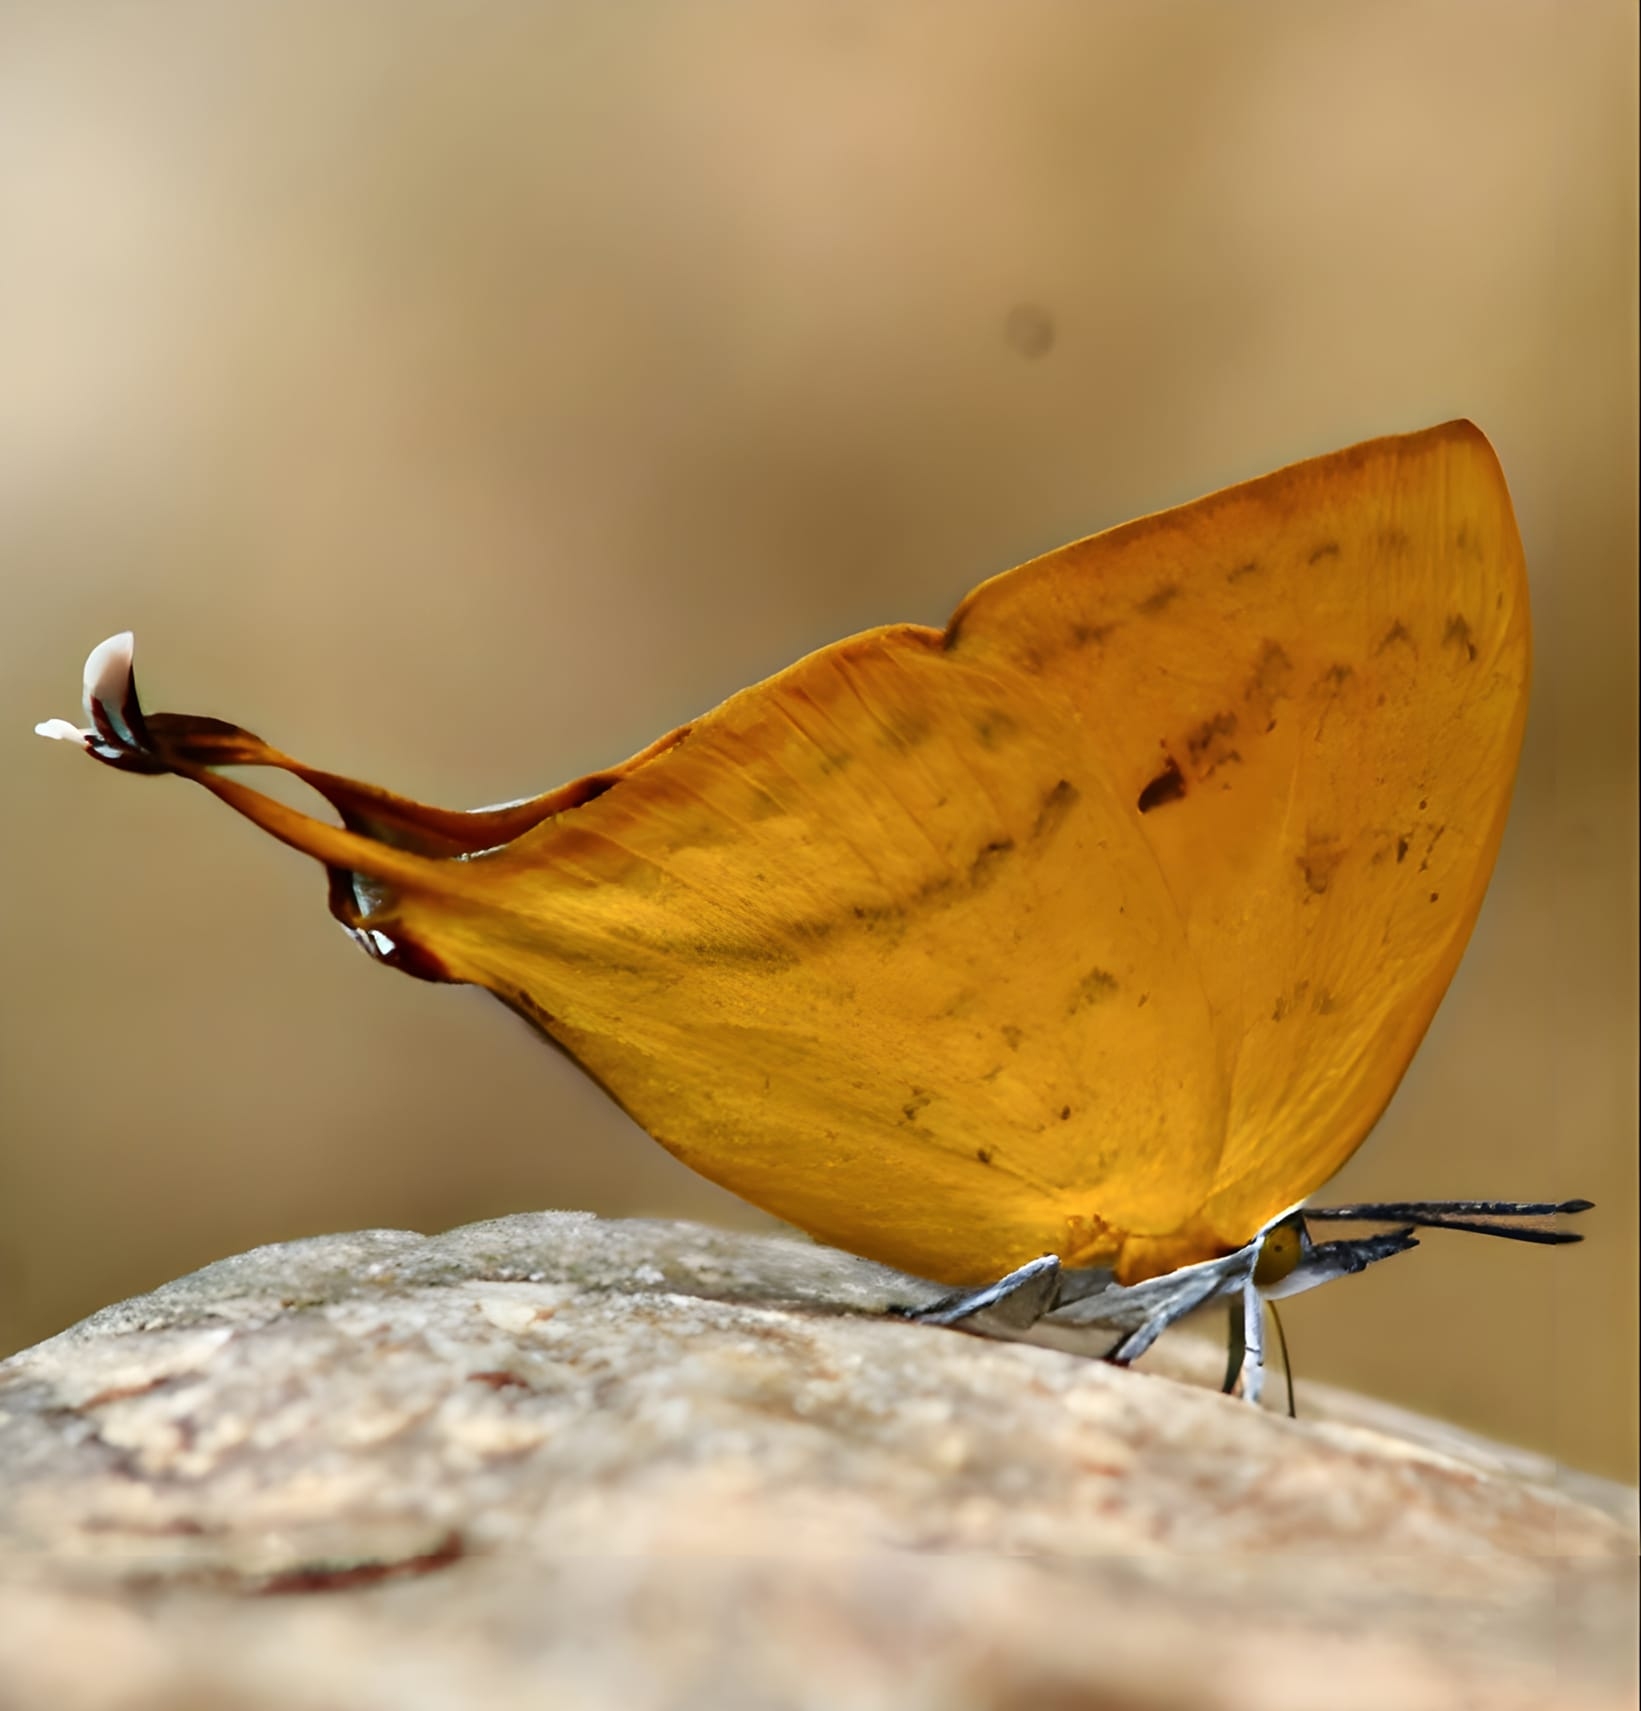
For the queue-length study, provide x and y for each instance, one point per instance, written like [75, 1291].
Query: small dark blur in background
[460, 396]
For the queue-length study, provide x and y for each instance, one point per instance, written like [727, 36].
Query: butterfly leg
[1012, 1304]
[1245, 1343]
[1253, 1342]
[1187, 1290]
[1236, 1348]
[1236, 1343]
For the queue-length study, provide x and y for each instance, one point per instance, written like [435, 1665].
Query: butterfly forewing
[1326, 670]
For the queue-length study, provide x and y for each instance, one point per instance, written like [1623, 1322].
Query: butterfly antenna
[1287, 1364]
[1515, 1220]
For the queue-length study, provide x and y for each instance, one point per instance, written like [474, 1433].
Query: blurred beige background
[462, 395]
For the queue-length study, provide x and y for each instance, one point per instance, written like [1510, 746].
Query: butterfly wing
[875, 946]
[1103, 923]
[1313, 688]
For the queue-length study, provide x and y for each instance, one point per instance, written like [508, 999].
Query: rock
[553, 1460]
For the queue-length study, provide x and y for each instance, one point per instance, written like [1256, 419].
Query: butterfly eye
[1280, 1252]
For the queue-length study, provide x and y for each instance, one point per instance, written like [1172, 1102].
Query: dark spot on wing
[1158, 600]
[1083, 634]
[1209, 745]
[906, 730]
[1065, 1113]
[932, 888]
[1394, 540]
[1012, 1036]
[1324, 1003]
[1334, 679]
[1242, 570]
[993, 727]
[1401, 850]
[983, 1154]
[1396, 633]
[983, 869]
[1435, 896]
[1318, 862]
[1273, 668]
[1168, 786]
[1204, 737]
[874, 915]
[1094, 988]
[1056, 804]
[1457, 634]
[1268, 683]
[918, 1102]
[1326, 550]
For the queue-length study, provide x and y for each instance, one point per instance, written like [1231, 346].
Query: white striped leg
[1253, 1342]
[1012, 1304]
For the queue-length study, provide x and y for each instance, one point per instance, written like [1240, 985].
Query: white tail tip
[108, 671]
[63, 730]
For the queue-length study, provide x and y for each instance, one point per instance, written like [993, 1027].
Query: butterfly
[1058, 955]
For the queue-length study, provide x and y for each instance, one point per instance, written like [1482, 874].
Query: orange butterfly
[1058, 954]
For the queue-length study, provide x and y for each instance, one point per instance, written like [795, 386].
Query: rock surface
[558, 1461]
